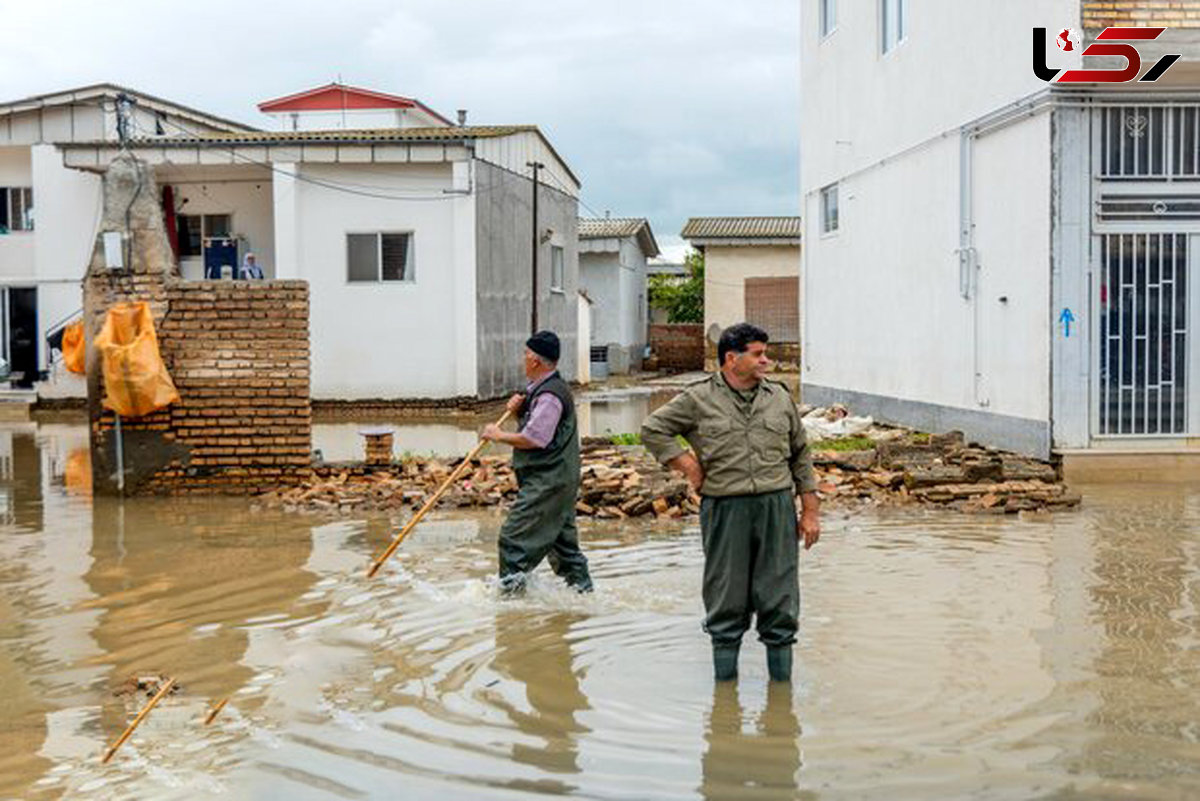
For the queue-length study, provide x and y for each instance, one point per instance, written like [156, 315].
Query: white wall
[352, 119]
[250, 204]
[582, 343]
[68, 205]
[600, 277]
[16, 247]
[959, 60]
[726, 270]
[383, 340]
[881, 308]
[613, 273]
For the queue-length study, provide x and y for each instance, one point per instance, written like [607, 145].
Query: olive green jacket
[744, 448]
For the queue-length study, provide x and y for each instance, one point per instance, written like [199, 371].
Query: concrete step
[1168, 465]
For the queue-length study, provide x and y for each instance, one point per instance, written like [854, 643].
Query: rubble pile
[624, 481]
[942, 470]
[618, 481]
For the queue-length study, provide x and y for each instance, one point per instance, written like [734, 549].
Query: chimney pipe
[462, 117]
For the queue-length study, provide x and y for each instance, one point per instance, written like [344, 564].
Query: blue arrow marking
[1066, 318]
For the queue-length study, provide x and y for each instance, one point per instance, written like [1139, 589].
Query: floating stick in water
[162, 691]
[216, 710]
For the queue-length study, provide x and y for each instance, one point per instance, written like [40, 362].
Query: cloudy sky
[665, 108]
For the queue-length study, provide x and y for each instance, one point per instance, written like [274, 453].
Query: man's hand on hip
[689, 465]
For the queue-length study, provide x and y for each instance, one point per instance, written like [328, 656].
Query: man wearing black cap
[546, 460]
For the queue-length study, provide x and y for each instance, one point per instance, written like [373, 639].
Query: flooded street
[940, 655]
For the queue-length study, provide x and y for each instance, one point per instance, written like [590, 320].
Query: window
[16, 209]
[829, 209]
[828, 17]
[193, 229]
[556, 268]
[893, 19]
[379, 257]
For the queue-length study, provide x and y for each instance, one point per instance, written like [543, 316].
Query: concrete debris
[623, 481]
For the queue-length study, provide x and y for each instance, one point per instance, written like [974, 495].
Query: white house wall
[726, 270]
[600, 277]
[16, 247]
[250, 204]
[859, 106]
[633, 293]
[884, 325]
[382, 340]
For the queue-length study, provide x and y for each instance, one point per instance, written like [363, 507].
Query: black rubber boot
[779, 662]
[725, 661]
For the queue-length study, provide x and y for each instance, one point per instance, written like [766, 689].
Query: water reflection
[534, 651]
[762, 764]
[940, 655]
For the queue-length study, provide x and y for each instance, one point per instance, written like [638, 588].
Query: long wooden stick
[166, 688]
[408, 527]
[216, 710]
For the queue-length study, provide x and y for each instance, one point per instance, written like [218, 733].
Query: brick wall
[1168, 13]
[679, 346]
[238, 353]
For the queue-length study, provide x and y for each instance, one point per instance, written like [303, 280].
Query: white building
[751, 273]
[612, 271]
[49, 213]
[990, 252]
[415, 235]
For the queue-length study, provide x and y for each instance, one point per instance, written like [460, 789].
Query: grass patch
[844, 444]
[921, 438]
[636, 439]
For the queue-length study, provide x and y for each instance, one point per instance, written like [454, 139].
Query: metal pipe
[120, 457]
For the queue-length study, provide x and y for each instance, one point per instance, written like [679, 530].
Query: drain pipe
[968, 257]
[120, 457]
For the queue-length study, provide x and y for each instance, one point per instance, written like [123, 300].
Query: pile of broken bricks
[624, 481]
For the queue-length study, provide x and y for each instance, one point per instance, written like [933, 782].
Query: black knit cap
[544, 344]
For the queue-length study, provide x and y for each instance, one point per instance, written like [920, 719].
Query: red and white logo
[1069, 40]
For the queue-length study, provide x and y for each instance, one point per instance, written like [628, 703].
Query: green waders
[541, 524]
[750, 567]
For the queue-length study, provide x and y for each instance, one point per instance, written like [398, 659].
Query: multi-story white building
[990, 252]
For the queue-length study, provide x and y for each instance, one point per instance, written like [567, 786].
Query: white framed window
[829, 209]
[893, 23]
[16, 208]
[375, 257]
[828, 17]
[556, 268]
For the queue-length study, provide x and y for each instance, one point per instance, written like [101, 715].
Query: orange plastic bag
[74, 350]
[136, 381]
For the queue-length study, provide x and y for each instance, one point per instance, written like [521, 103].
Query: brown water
[941, 656]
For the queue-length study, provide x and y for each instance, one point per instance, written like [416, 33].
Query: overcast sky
[665, 109]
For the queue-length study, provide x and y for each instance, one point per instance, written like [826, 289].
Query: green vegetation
[636, 439]
[846, 444]
[683, 301]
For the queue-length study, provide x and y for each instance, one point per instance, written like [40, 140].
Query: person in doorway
[251, 271]
[748, 454]
[546, 461]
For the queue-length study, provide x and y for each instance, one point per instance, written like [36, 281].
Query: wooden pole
[166, 688]
[216, 710]
[408, 527]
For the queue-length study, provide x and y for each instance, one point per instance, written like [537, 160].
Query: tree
[683, 301]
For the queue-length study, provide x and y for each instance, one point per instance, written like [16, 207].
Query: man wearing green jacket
[546, 460]
[748, 455]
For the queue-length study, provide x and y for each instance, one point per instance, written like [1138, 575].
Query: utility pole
[533, 297]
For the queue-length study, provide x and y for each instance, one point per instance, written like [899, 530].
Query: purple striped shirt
[543, 417]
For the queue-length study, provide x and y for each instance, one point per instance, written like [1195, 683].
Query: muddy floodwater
[940, 655]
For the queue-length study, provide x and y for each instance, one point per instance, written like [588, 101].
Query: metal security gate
[1143, 334]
